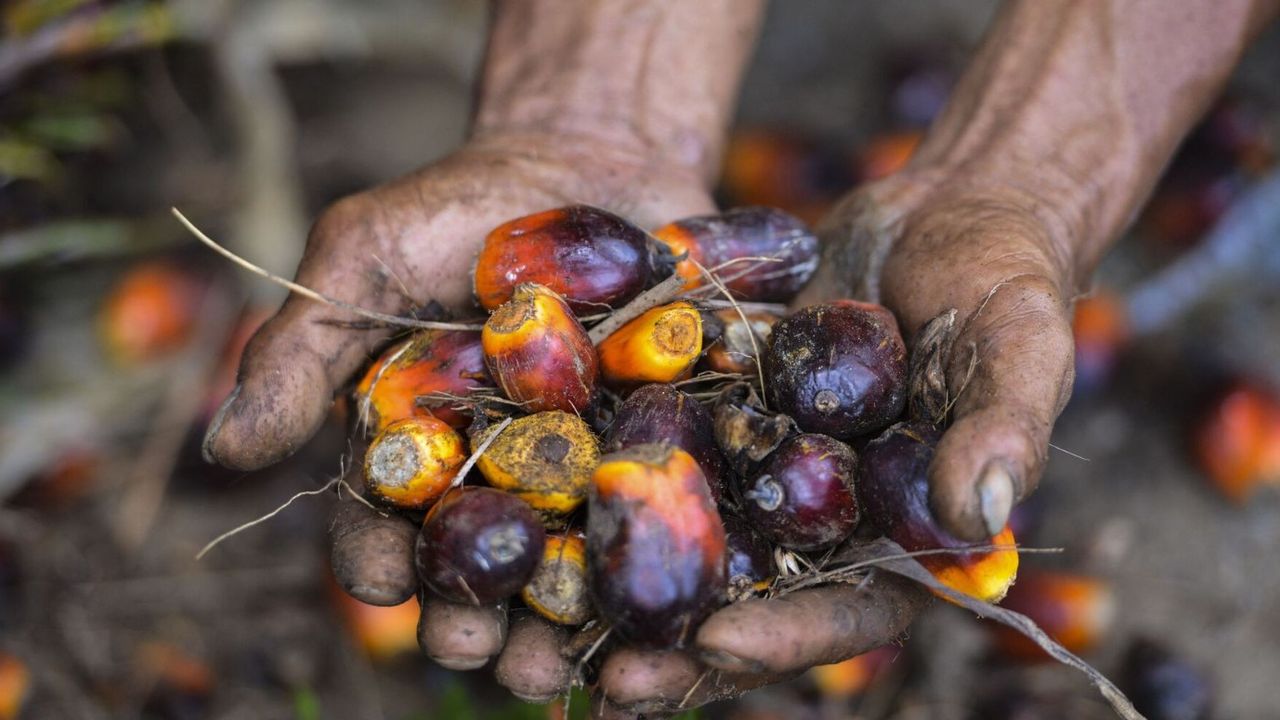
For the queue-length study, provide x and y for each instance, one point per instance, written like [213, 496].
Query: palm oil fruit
[413, 462]
[838, 368]
[745, 431]
[660, 346]
[748, 558]
[655, 545]
[1164, 686]
[545, 459]
[443, 361]
[150, 313]
[893, 486]
[803, 497]
[478, 546]
[1237, 443]
[1075, 610]
[591, 257]
[558, 589]
[662, 414]
[740, 343]
[538, 352]
[789, 251]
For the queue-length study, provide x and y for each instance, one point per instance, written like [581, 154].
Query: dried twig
[237, 530]
[310, 294]
[475, 456]
[755, 347]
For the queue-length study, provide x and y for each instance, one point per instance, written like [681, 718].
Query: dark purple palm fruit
[659, 413]
[838, 368]
[748, 557]
[479, 545]
[803, 498]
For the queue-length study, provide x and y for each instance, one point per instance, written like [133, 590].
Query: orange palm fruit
[15, 684]
[1074, 610]
[1100, 328]
[545, 459]
[558, 589]
[893, 485]
[590, 257]
[741, 233]
[655, 545]
[384, 633]
[538, 352]
[413, 462]
[151, 312]
[660, 346]
[735, 352]
[886, 154]
[448, 361]
[848, 678]
[1238, 442]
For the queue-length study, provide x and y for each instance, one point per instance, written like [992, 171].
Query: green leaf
[306, 705]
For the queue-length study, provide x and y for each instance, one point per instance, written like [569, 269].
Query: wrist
[652, 78]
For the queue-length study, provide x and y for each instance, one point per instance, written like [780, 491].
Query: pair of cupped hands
[920, 242]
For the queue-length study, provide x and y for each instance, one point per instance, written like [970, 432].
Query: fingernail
[995, 496]
[459, 663]
[210, 435]
[729, 662]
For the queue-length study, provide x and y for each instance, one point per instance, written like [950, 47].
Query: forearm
[1074, 107]
[653, 77]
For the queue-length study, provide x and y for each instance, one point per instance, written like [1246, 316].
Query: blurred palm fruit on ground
[399, 383]
[1075, 610]
[151, 312]
[1237, 442]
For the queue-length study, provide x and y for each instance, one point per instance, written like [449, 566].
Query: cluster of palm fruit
[623, 442]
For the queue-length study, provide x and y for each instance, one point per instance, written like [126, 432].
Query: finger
[461, 637]
[810, 627]
[294, 363]
[372, 554]
[660, 682]
[995, 450]
[531, 665]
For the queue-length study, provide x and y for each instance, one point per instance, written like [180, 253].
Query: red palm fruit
[838, 368]
[1100, 328]
[886, 154]
[660, 346]
[1238, 442]
[151, 312]
[655, 545]
[747, 232]
[413, 462]
[15, 685]
[893, 486]
[803, 496]
[848, 678]
[1074, 610]
[589, 256]
[545, 459]
[735, 352]
[445, 361]
[538, 352]
[558, 589]
[382, 632]
[662, 414]
[479, 545]
[748, 557]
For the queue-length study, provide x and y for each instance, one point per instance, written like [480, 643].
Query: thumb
[293, 365]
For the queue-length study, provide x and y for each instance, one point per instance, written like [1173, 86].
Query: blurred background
[119, 336]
